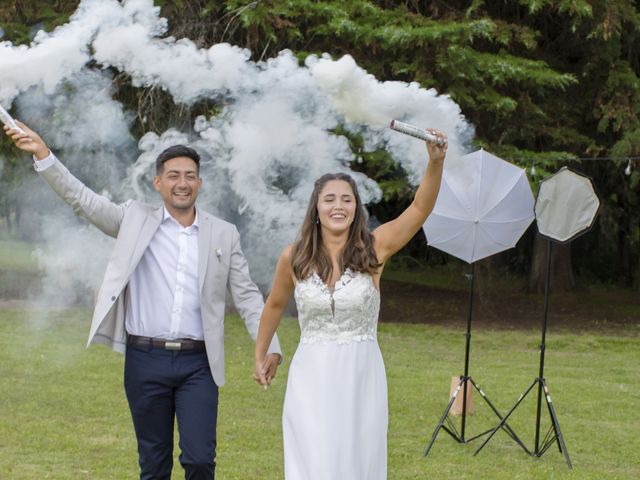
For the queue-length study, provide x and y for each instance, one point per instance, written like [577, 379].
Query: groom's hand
[264, 372]
[28, 140]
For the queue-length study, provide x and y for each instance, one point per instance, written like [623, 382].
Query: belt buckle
[173, 345]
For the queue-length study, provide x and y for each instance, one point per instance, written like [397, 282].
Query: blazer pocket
[219, 257]
[216, 276]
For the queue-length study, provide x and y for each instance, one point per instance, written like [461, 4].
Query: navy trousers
[163, 385]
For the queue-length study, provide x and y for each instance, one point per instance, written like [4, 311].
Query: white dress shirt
[163, 299]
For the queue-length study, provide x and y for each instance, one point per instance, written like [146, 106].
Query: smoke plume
[261, 153]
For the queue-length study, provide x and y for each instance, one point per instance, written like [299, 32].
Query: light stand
[566, 207]
[549, 438]
[484, 206]
[450, 427]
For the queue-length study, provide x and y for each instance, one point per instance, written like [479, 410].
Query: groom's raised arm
[98, 210]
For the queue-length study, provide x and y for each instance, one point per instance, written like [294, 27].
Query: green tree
[543, 82]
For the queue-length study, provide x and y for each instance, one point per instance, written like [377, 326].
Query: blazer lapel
[148, 229]
[204, 246]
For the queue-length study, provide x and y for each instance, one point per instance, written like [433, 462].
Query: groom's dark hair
[176, 151]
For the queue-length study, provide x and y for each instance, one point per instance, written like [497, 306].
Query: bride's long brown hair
[309, 253]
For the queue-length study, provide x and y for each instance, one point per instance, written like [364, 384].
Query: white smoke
[54, 57]
[261, 154]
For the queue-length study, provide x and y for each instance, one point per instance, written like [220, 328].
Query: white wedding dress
[335, 410]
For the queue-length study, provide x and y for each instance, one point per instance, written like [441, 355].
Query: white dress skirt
[335, 410]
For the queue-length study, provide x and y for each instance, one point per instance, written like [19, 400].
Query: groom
[162, 300]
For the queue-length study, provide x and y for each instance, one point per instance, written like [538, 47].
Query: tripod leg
[444, 418]
[556, 424]
[506, 426]
[504, 420]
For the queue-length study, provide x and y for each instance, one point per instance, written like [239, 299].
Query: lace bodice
[348, 314]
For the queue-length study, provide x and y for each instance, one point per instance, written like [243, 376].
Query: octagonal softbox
[566, 206]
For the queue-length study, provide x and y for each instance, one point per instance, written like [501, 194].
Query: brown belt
[180, 344]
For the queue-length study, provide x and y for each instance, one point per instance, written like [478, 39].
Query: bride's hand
[438, 149]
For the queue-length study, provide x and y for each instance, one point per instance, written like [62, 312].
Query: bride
[335, 410]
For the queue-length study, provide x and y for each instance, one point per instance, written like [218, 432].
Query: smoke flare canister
[8, 120]
[414, 131]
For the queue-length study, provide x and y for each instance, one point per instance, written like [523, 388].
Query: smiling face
[336, 206]
[178, 183]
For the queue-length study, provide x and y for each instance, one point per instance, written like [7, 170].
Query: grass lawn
[18, 269]
[64, 414]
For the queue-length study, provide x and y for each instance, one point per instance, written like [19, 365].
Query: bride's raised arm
[393, 235]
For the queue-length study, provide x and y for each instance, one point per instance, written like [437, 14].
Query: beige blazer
[222, 266]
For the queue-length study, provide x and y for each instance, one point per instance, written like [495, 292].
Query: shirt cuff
[40, 165]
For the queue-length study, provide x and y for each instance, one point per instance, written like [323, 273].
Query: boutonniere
[218, 253]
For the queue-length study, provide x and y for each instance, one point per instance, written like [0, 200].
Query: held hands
[29, 141]
[438, 149]
[265, 371]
